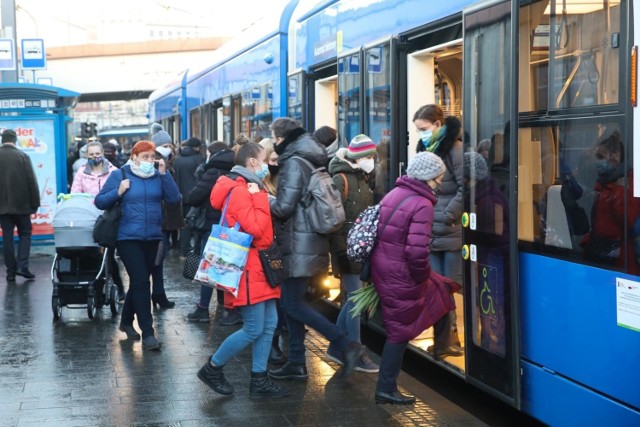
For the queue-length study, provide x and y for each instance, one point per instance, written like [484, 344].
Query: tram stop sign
[33, 55]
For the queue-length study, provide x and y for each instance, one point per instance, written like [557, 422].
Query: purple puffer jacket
[411, 295]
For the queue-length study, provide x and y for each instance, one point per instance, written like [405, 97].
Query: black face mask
[279, 148]
[274, 169]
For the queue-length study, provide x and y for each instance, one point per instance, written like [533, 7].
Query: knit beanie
[361, 146]
[141, 147]
[155, 128]
[425, 166]
[474, 161]
[161, 138]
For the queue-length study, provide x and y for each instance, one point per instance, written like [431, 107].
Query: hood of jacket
[223, 160]
[223, 187]
[339, 163]
[304, 146]
[418, 187]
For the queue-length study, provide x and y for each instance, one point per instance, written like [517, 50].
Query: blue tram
[547, 93]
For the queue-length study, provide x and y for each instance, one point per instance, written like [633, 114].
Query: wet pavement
[82, 372]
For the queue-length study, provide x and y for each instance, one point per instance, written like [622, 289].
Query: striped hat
[361, 146]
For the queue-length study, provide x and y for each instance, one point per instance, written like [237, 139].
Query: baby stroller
[80, 273]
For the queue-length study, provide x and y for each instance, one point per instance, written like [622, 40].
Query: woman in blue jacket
[140, 193]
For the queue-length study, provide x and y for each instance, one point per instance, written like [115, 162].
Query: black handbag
[273, 264]
[105, 229]
[196, 218]
[191, 264]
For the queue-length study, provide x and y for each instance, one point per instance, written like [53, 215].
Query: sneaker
[335, 355]
[365, 364]
[130, 331]
[232, 318]
[199, 315]
[214, 378]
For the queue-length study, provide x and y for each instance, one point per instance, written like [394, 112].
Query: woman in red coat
[248, 205]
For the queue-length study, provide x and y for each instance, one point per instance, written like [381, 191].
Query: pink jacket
[85, 182]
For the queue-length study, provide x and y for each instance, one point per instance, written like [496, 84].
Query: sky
[73, 22]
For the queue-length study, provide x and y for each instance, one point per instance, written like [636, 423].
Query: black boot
[276, 356]
[290, 371]
[214, 378]
[261, 386]
[162, 301]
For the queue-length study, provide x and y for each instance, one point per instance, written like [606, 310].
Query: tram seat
[557, 233]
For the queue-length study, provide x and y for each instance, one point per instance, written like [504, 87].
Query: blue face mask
[602, 166]
[95, 161]
[263, 172]
[425, 136]
[146, 167]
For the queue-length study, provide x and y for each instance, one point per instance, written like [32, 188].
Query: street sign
[7, 55]
[33, 55]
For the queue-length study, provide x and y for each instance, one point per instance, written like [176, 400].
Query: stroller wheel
[91, 308]
[114, 304]
[57, 308]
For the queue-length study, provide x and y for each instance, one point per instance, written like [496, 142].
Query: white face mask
[366, 165]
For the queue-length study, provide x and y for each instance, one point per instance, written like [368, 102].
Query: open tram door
[490, 217]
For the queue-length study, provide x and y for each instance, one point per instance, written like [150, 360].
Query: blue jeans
[138, 257]
[259, 323]
[448, 264]
[299, 313]
[348, 324]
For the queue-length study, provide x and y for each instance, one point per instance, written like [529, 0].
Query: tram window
[378, 112]
[195, 121]
[226, 120]
[575, 195]
[348, 98]
[572, 61]
[294, 97]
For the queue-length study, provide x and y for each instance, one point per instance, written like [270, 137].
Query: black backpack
[105, 230]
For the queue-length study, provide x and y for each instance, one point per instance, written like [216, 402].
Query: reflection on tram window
[574, 182]
[574, 54]
[491, 210]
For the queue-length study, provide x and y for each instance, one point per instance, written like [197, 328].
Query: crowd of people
[416, 263]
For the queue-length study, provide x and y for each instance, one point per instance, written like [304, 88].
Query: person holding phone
[140, 195]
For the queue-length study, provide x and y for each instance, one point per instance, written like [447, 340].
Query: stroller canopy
[75, 210]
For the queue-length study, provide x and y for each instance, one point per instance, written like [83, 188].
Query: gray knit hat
[474, 161]
[161, 138]
[425, 166]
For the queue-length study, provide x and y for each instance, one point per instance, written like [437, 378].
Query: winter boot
[261, 387]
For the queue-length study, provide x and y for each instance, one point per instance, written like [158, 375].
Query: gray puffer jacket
[447, 228]
[305, 252]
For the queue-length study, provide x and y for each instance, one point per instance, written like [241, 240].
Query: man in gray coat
[305, 252]
[19, 198]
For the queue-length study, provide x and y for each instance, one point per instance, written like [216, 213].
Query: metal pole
[8, 12]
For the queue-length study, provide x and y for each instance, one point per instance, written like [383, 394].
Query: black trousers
[390, 366]
[9, 222]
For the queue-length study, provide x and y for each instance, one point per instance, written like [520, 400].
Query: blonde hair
[270, 182]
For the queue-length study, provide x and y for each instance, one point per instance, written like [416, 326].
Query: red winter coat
[253, 214]
[412, 296]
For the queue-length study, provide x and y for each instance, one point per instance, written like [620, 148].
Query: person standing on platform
[185, 167]
[19, 198]
[141, 192]
[412, 295]
[305, 252]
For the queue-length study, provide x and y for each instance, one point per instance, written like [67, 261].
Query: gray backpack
[322, 203]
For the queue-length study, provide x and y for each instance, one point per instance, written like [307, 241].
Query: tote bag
[225, 256]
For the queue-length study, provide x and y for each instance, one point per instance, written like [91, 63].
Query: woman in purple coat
[412, 296]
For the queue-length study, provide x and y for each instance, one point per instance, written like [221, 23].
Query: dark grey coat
[446, 232]
[306, 253]
[19, 194]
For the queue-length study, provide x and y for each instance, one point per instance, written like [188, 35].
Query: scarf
[436, 138]
[138, 172]
[293, 135]
[248, 175]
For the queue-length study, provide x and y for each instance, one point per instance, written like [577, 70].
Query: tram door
[489, 219]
